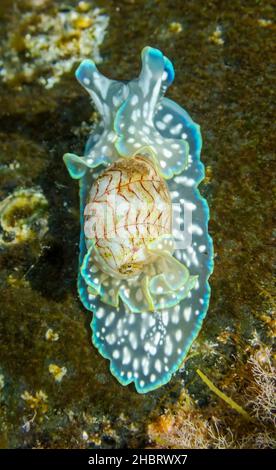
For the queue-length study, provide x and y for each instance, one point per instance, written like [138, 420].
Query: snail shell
[129, 206]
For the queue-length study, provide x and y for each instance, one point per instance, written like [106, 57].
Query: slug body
[145, 252]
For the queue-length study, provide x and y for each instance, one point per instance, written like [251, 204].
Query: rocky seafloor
[55, 388]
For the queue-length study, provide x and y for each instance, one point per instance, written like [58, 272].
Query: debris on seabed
[44, 45]
[37, 402]
[264, 23]
[23, 215]
[2, 382]
[84, 435]
[223, 396]
[216, 37]
[51, 335]
[57, 372]
[175, 27]
[186, 425]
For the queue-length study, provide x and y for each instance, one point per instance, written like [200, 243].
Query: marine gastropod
[145, 252]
